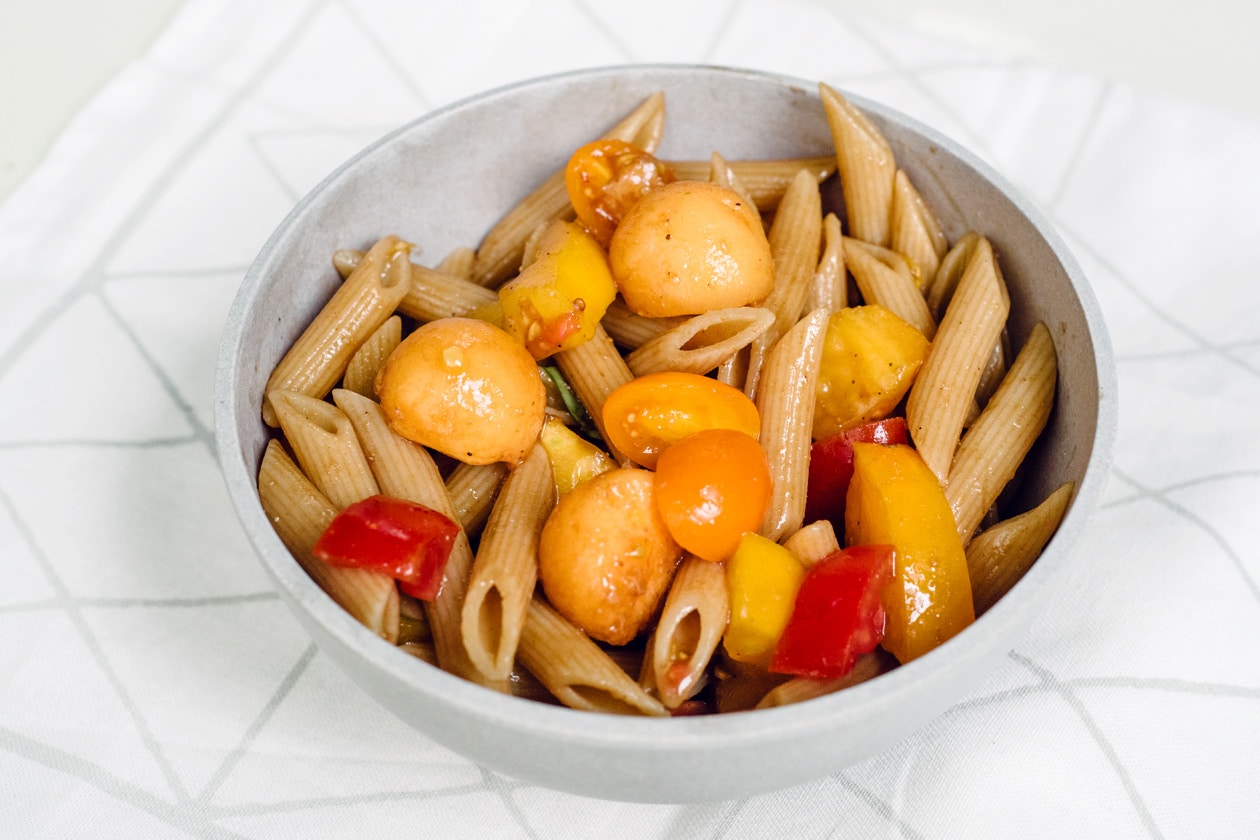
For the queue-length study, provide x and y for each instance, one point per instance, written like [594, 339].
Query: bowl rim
[685, 733]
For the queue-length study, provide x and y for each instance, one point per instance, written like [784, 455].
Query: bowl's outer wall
[441, 182]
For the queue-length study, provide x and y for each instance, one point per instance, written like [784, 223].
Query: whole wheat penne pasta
[944, 389]
[764, 181]
[795, 239]
[575, 670]
[472, 489]
[630, 329]
[951, 269]
[739, 686]
[867, 168]
[458, 263]
[689, 630]
[326, 446]
[317, 360]
[506, 566]
[734, 371]
[813, 542]
[998, 557]
[406, 470]
[360, 375]
[916, 232]
[300, 513]
[432, 295]
[991, 377]
[785, 401]
[894, 290]
[799, 689]
[997, 442]
[701, 343]
[595, 369]
[829, 288]
[499, 254]
[723, 175]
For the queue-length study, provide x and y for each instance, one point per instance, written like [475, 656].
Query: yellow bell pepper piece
[557, 301]
[870, 358]
[573, 458]
[895, 499]
[761, 580]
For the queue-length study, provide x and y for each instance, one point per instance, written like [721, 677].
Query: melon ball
[689, 247]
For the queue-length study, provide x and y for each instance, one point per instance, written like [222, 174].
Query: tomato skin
[831, 467]
[605, 178]
[395, 537]
[711, 488]
[838, 614]
[647, 414]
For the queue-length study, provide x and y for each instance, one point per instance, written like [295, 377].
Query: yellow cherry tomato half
[711, 489]
[647, 414]
[605, 178]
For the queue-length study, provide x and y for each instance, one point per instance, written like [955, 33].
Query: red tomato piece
[395, 537]
[605, 178]
[712, 487]
[831, 467]
[838, 614]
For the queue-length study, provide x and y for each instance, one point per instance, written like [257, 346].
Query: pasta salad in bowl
[665, 433]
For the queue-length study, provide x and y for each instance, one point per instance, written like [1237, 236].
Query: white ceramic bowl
[441, 182]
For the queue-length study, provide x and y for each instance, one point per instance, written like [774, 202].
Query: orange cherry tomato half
[647, 414]
[712, 488]
[605, 178]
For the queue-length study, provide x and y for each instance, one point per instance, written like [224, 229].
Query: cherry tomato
[712, 488]
[647, 414]
[605, 178]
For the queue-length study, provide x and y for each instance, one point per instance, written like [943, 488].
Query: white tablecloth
[153, 685]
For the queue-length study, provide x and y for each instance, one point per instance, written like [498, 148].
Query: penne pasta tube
[472, 489]
[689, 630]
[915, 230]
[575, 670]
[795, 238]
[997, 442]
[763, 181]
[813, 542]
[300, 513]
[951, 269]
[894, 290]
[499, 254]
[413, 623]
[944, 389]
[1001, 555]
[406, 470]
[326, 446]
[505, 569]
[317, 360]
[701, 343]
[594, 370]
[829, 289]
[458, 263]
[785, 402]
[867, 168]
[432, 295]
[360, 375]
[799, 689]
[630, 329]
[434, 292]
[721, 174]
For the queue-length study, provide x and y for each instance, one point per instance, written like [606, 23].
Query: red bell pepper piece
[395, 537]
[838, 614]
[831, 467]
